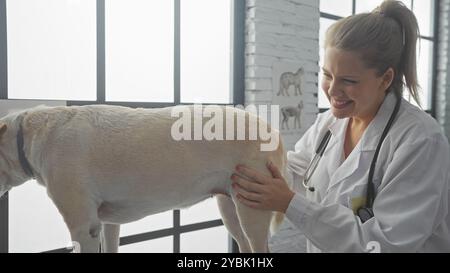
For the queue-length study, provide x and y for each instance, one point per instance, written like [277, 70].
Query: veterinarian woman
[381, 174]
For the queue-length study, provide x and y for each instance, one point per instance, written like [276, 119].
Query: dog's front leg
[79, 211]
[110, 238]
[87, 236]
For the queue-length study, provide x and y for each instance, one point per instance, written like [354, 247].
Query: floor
[288, 239]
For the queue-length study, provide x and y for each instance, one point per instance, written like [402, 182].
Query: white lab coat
[411, 179]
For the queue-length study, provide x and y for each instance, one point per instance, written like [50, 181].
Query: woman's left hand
[262, 192]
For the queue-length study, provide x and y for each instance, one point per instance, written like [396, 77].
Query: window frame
[237, 90]
[4, 223]
[433, 40]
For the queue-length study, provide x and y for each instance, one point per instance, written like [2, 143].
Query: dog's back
[128, 162]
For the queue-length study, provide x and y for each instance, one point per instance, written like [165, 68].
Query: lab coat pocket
[357, 197]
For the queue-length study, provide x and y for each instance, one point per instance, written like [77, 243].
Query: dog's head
[11, 171]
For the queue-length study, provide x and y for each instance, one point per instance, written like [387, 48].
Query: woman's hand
[262, 192]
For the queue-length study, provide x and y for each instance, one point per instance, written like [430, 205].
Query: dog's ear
[3, 128]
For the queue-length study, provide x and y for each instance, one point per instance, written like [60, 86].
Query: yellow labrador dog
[108, 165]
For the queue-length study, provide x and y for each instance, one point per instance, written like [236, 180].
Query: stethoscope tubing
[370, 196]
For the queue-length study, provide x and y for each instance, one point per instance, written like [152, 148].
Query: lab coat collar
[339, 170]
[370, 138]
[368, 142]
[337, 127]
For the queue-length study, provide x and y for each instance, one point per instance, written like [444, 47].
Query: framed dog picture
[294, 96]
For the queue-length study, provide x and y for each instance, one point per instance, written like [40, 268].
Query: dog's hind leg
[110, 238]
[255, 224]
[231, 222]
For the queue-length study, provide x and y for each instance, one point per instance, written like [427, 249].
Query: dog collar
[26, 166]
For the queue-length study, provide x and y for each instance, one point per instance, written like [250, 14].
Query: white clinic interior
[161, 53]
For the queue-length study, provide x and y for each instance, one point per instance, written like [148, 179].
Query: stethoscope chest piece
[364, 214]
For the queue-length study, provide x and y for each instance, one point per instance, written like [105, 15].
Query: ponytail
[386, 38]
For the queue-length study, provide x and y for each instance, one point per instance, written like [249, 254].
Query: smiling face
[353, 90]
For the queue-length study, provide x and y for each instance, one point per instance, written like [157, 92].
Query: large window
[139, 50]
[51, 49]
[332, 10]
[205, 44]
[160, 51]
[135, 53]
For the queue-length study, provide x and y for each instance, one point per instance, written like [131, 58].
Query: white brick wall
[282, 31]
[443, 68]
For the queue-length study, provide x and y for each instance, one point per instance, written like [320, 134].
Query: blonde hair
[384, 38]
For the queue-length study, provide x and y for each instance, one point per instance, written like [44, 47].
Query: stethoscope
[366, 212]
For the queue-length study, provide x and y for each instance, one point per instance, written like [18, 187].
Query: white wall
[282, 31]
